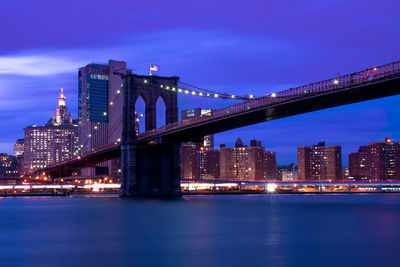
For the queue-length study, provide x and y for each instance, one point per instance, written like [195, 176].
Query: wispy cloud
[37, 65]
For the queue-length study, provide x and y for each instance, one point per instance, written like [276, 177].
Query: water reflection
[283, 230]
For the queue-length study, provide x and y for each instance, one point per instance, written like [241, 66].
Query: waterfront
[273, 230]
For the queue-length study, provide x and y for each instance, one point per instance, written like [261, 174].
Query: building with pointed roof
[56, 141]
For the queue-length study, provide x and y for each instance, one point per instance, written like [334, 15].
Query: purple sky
[234, 46]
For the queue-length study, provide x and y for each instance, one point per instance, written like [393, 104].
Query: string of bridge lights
[200, 92]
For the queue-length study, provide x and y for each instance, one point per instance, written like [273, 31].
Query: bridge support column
[151, 170]
[128, 165]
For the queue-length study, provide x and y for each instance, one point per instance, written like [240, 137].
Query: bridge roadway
[366, 85]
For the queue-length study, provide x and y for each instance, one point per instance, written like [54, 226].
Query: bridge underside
[75, 165]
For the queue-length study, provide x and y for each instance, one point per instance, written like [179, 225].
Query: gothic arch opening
[140, 115]
[161, 116]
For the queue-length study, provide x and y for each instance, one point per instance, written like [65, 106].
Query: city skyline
[266, 59]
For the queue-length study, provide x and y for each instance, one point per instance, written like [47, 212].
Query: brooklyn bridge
[150, 160]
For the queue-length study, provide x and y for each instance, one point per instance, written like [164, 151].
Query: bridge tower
[152, 168]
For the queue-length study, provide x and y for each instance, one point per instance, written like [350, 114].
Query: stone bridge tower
[152, 168]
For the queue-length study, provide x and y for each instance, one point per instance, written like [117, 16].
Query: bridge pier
[151, 170]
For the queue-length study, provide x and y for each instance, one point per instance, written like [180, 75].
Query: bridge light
[137, 119]
[233, 96]
[273, 95]
[162, 86]
[251, 96]
[215, 95]
[186, 91]
[336, 81]
[173, 89]
[193, 93]
[95, 127]
[180, 90]
[145, 81]
[167, 87]
[118, 91]
[208, 94]
[200, 94]
[111, 103]
[105, 113]
[89, 135]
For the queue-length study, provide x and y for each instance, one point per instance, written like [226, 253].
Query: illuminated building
[244, 163]
[319, 162]
[19, 148]
[199, 160]
[53, 142]
[100, 110]
[290, 176]
[358, 164]
[383, 160]
[188, 161]
[208, 140]
[8, 165]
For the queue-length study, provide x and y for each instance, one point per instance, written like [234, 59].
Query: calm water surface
[256, 230]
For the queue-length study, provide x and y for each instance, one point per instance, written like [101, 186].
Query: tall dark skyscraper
[319, 162]
[100, 109]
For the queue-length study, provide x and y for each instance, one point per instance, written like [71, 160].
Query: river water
[246, 230]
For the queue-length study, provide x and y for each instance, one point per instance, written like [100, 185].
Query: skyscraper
[100, 110]
[319, 162]
[55, 141]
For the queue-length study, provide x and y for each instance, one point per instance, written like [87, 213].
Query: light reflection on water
[274, 230]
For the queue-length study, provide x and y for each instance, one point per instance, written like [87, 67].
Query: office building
[100, 103]
[8, 165]
[19, 148]
[319, 162]
[56, 141]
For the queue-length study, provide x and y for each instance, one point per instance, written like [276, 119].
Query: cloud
[37, 65]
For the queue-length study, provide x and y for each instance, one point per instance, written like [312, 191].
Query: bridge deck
[369, 84]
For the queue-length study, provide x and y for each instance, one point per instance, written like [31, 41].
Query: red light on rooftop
[388, 140]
